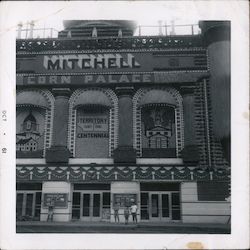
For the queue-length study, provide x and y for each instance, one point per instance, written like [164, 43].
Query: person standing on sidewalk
[116, 212]
[133, 210]
[50, 211]
[126, 214]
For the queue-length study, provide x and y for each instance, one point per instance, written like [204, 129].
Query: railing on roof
[168, 30]
[37, 33]
[141, 30]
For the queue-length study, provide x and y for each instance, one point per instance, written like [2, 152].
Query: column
[60, 193]
[207, 122]
[125, 153]
[188, 110]
[19, 31]
[32, 24]
[59, 153]
[190, 153]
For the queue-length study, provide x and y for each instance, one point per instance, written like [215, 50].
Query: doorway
[160, 206]
[28, 205]
[91, 205]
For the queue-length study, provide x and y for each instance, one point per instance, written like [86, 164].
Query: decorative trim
[106, 161]
[30, 161]
[113, 119]
[111, 73]
[207, 122]
[153, 161]
[108, 51]
[208, 61]
[137, 118]
[49, 115]
[97, 173]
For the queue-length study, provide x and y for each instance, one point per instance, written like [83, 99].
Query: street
[105, 227]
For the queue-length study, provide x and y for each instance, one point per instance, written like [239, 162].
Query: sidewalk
[107, 227]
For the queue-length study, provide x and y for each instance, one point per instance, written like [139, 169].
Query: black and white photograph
[123, 126]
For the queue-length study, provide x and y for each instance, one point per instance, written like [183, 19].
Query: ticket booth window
[158, 131]
[92, 132]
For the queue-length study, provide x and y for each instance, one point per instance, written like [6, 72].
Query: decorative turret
[97, 28]
[216, 36]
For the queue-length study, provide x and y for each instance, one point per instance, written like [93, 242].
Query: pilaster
[125, 153]
[58, 152]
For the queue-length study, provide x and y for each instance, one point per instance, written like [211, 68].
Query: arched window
[92, 131]
[34, 120]
[158, 131]
[158, 123]
[93, 123]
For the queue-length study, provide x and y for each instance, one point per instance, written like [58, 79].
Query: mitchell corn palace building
[105, 117]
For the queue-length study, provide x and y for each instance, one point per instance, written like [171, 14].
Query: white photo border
[11, 13]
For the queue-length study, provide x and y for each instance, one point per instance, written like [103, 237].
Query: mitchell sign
[72, 63]
[90, 61]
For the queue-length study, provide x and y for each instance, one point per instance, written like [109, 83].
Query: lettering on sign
[48, 79]
[95, 125]
[89, 61]
[89, 79]
[92, 135]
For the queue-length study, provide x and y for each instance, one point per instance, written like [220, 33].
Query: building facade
[105, 117]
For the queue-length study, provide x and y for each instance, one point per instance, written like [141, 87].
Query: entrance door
[28, 204]
[91, 206]
[159, 206]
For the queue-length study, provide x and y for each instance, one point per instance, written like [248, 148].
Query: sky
[147, 27]
[50, 14]
[143, 13]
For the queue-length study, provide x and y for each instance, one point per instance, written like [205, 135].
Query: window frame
[176, 100]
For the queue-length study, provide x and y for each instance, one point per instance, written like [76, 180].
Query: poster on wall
[30, 132]
[106, 213]
[92, 132]
[158, 130]
[57, 200]
[124, 200]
